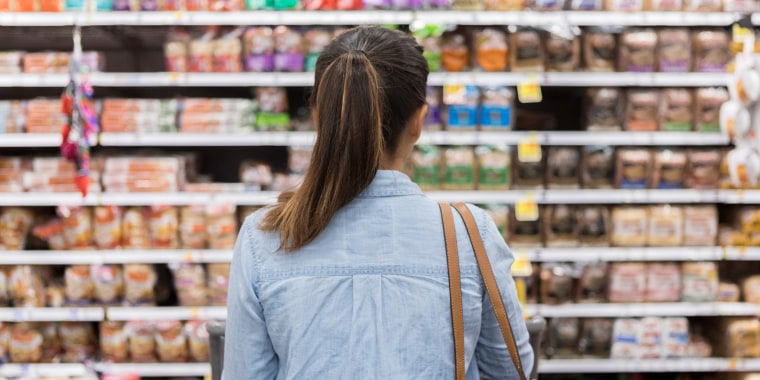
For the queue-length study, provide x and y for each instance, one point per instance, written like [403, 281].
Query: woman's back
[368, 298]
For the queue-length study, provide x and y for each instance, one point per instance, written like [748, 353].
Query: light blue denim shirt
[369, 298]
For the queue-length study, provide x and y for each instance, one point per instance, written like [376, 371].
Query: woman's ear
[418, 121]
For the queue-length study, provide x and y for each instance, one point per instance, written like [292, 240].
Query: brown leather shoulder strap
[492, 287]
[455, 288]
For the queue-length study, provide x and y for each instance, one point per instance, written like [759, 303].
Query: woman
[346, 277]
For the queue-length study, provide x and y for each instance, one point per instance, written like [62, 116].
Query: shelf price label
[522, 267]
[529, 150]
[529, 91]
[526, 209]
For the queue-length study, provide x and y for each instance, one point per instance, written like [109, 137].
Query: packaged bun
[703, 169]
[637, 50]
[630, 226]
[527, 53]
[556, 283]
[459, 168]
[561, 226]
[634, 168]
[605, 110]
[700, 281]
[79, 286]
[26, 343]
[593, 226]
[109, 284]
[562, 53]
[113, 342]
[598, 166]
[171, 343]
[455, 55]
[700, 225]
[491, 49]
[642, 112]
[663, 282]
[493, 167]
[674, 53]
[627, 282]
[197, 341]
[190, 282]
[142, 343]
[711, 50]
[107, 229]
[669, 169]
[139, 283]
[600, 50]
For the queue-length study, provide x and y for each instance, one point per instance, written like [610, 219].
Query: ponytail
[348, 114]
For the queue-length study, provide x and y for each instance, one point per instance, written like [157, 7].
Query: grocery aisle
[591, 131]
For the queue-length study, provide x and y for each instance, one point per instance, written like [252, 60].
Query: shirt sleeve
[494, 361]
[248, 351]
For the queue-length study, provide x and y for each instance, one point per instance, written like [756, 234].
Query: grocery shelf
[51, 314]
[29, 140]
[525, 18]
[166, 313]
[155, 369]
[610, 254]
[621, 310]
[574, 79]
[208, 139]
[136, 199]
[684, 365]
[126, 256]
[57, 370]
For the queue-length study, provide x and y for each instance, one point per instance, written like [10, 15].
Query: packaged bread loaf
[702, 5]
[107, 228]
[78, 341]
[197, 341]
[192, 227]
[493, 167]
[139, 283]
[171, 342]
[26, 287]
[55, 294]
[596, 337]
[700, 281]
[634, 168]
[663, 5]
[677, 110]
[218, 281]
[221, 225]
[141, 339]
[598, 167]
[556, 283]
[15, 223]
[525, 233]
[113, 342]
[592, 284]
[563, 338]
[642, 111]
[427, 166]
[728, 292]
[77, 227]
[190, 282]
[605, 109]
[455, 55]
[751, 289]
[663, 282]
[700, 226]
[638, 50]
[563, 52]
[698, 347]
[255, 175]
[593, 226]
[528, 175]
[527, 54]
[433, 117]
[624, 5]
[650, 339]
[26, 343]
[742, 339]
[630, 227]
[51, 341]
[669, 169]
[109, 284]
[134, 229]
[674, 52]
[708, 102]
[665, 226]
[459, 168]
[163, 227]
[586, 5]
[627, 282]
[79, 286]
[703, 169]
[560, 226]
[600, 50]
[496, 108]
[491, 50]
[563, 168]
[625, 336]
[5, 341]
[711, 50]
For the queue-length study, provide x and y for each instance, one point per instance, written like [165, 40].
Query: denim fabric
[369, 298]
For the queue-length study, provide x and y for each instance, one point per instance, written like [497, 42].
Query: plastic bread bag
[433, 120]
[142, 342]
[176, 51]
[197, 341]
[600, 48]
[5, 341]
[674, 51]
[190, 283]
[663, 5]
[15, 223]
[316, 41]
[459, 168]
[79, 286]
[560, 226]
[228, 52]
[528, 175]
[461, 102]
[677, 110]
[171, 342]
[255, 175]
[669, 169]
[491, 49]
[527, 50]
[202, 52]
[113, 342]
[638, 50]
[109, 284]
[627, 283]
[665, 226]
[139, 283]
[630, 226]
[299, 159]
[708, 103]
[493, 167]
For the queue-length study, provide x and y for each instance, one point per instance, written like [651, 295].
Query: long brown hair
[369, 82]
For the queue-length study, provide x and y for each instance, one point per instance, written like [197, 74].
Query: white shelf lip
[620, 310]
[611, 254]
[29, 140]
[50, 314]
[14, 370]
[525, 18]
[155, 369]
[573, 79]
[166, 313]
[208, 139]
[638, 366]
[146, 256]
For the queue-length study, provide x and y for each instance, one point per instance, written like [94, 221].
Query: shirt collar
[391, 183]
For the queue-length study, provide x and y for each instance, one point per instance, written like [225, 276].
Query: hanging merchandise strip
[81, 130]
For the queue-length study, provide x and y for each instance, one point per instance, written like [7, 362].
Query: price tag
[526, 210]
[529, 150]
[529, 91]
[174, 78]
[195, 313]
[522, 266]
[188, 257]
[733, 364]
